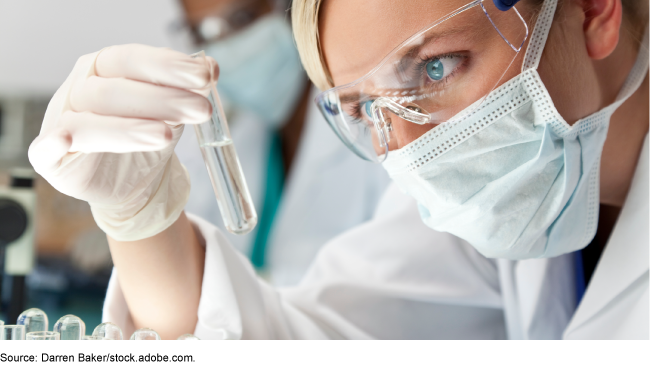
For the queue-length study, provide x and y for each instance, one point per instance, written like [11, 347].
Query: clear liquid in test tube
[223, 166]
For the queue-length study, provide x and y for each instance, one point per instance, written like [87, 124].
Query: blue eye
[435, 70]
[367, 106]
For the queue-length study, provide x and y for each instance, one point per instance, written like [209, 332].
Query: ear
[602, 26]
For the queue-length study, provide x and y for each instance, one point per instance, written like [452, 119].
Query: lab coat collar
[625, 257]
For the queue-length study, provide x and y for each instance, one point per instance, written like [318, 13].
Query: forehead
[199, 8]
[356, 34]
[196, 10]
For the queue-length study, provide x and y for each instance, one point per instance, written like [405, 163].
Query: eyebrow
[411, 51]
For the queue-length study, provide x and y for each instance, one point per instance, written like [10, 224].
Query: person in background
[307, 187]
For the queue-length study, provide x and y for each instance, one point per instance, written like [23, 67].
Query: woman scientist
[306, 185]
[501, 123]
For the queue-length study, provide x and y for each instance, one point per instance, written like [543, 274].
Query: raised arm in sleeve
[392, 277]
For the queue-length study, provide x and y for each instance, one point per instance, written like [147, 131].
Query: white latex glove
[109, 133]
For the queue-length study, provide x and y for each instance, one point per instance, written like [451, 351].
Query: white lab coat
[393, 277]
[328, 191]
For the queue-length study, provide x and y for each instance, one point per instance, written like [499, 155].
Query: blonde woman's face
[357, 34]
[446, 69]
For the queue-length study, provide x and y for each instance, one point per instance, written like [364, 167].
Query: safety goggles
[442, 72]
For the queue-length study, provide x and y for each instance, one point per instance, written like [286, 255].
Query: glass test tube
[12, 332]
[187, 337]
[43, 336]
[223, 166]
[108, 330]
[34, 319]
[145, 334]
[95, 338]
[70, 327]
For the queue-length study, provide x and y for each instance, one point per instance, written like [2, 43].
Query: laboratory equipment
[70, 327]
[34, 319]
[43, 336]
[145, 334]
[188, 337]
[17, 230]
[12, 332]
[108, 330]
[222, 162]
[96, 338]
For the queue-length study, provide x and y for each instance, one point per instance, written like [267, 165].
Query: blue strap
[272, 196]
[505, 4]
[581, 284]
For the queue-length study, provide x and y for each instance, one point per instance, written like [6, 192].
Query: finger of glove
[122, 97]
[90, 132]
[161, 66]
[47, 149]
[211, 64]
[59, 102]
[215, 67]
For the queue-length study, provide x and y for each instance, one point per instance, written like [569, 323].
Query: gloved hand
[109, 133]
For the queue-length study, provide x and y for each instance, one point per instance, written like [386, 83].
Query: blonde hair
[304, 18]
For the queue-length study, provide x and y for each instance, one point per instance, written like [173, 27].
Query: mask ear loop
[539, 36]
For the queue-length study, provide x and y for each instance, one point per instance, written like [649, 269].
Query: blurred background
[55, 257]
[306, 185]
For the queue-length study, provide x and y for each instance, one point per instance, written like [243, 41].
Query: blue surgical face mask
[260, 69]
[512, 177]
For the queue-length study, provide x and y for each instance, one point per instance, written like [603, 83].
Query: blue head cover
[505, 4]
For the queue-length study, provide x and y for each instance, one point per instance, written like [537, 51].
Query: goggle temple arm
[516, 48]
